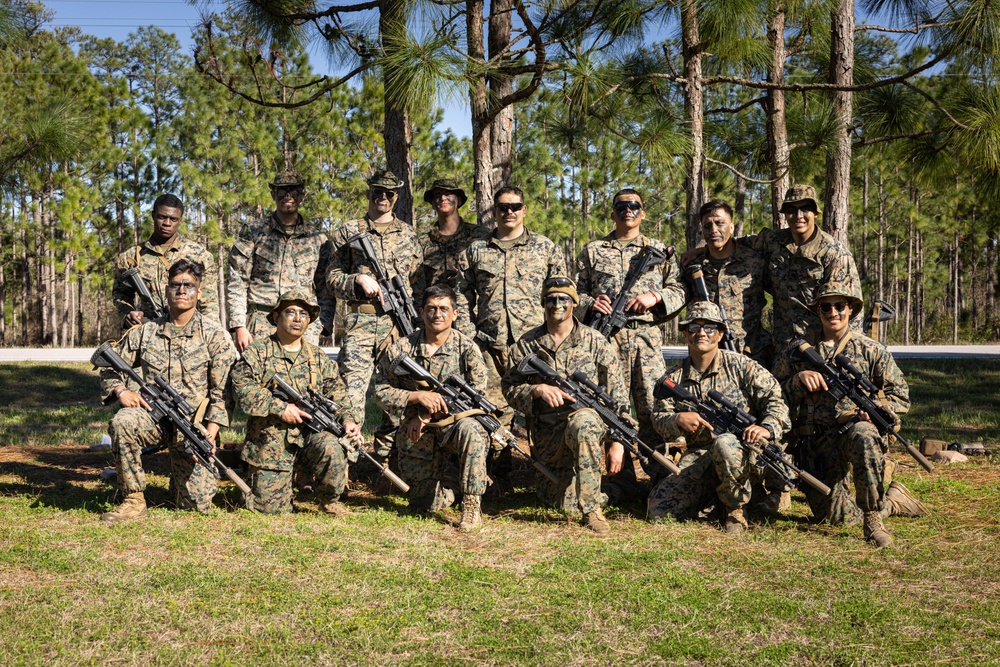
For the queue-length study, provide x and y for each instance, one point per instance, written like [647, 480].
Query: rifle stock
[140, 286]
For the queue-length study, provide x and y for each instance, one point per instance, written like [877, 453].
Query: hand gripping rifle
[727, 417]
[170, 407]
[588, 394]
[610, 324]
[324, 418]
[396, 301]
[133, 276]
[852, 384]
[461, 397]
[697, 277]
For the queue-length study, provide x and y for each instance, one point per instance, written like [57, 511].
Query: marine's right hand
[134, 318]
[369, 286]
[294, 415]
[432, 402]
[688, 256]
[554, 397]
[602, 304]
[811, 380]
[242, 339]
[689, 422]
[132, 399]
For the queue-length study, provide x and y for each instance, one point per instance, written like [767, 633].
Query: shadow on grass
[31, 385]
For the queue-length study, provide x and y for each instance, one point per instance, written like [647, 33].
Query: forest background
[894, 117]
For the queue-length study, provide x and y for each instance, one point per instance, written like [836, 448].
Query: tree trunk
[482, 128]
[694, 114]
[883, 227]
[397, 132]
[502, 125]
[739, 206]
[79, 312]
[956, 308]
[991, 282]
[909, 282]
[836, 205]
[777, 130]
[920, 288]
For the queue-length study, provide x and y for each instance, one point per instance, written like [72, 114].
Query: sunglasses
[282, 193]
[829, 307]
[295, 314]
[695, 327]
[791, 209]
[508, 208]
[379, 193]
[622, 206]
[557, 282]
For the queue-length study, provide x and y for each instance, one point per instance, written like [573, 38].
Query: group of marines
[487, 300]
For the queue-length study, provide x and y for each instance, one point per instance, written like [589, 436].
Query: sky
[117, 18]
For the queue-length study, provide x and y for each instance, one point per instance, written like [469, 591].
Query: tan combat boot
[472, 516]
[133, 507]
[328, 504]
[596, 522]
[734, 523]
[875, 532]
[901, 502]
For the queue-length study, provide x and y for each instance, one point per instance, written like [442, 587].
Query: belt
[259, 307]
[638, 324]
[356, 307]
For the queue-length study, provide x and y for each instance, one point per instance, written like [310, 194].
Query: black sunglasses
[557, 282]
[378, 193]
[507, 208]
[281, 193]
[694, 327]
[622, 206]
[839, 306]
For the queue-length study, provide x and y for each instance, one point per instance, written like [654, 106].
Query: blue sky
[117, 18]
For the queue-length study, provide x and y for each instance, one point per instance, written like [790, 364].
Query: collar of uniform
[611, 240]
[520, 240]
[573, 339]
[691, 373]
[153, 248]
[279, 351]
[446, 349]
[807, 248]
[463, 230]
[301, 228]
[187, 331]
[394, 227]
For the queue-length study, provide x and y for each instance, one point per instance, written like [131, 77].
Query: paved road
[82, 354]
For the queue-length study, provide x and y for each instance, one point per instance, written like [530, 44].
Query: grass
[386, 587]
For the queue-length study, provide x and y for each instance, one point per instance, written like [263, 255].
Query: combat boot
[900, 501]
[133, 507]
[875, 532]
[331, 505]
[734, 523]
[596, 522]
[472, 516]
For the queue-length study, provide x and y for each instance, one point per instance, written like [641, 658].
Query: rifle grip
[395, 479]
[665, 462]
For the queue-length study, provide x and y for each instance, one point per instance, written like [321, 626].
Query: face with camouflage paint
[183, 292]
[558, 308]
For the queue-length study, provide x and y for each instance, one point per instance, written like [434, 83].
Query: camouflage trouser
[365, 335]
[499, 459]
[259, 327]
[640, 352]
[860, 448]
[719, 473]
[572, 449]
[132, 429]
[321, 455]
[422, 463]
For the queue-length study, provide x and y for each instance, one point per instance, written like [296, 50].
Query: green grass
[386, 587]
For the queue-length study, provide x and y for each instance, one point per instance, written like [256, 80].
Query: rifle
[610, 324]
[133, 276]
[323, 412]
[588, 394]
[461, 397]
[697, 277]
[169, 406]
[396, 301]
[729, 418]
[852, 384]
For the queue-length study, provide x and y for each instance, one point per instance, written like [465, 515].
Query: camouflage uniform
[566, 439]
[272, 445]
[795, 274]
[422, 463]
[154, 261]
[737, 284]
[267, 261]
[601, 269]
[441, 256]
[830, 441]
[717, 468]
[367, 326]
[195, 360]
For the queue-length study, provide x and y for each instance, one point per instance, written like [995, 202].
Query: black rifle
[396, 301]
[324, 418]
[852, 384]
[697, 277]
[169, 409]
[727, 417]
[588, 394]
[461, 397]
[134, 277]
[610, 324]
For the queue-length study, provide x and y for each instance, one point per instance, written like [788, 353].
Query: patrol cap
[799, 194]
[383, 178]
[560, 285]
[290, 297]
[703, 310]
[836, 289]
[445, 185]
[288, 177]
